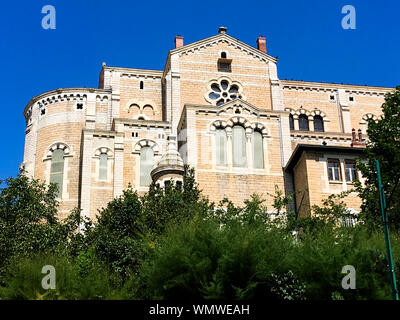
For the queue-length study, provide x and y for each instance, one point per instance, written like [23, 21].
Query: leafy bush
[173, 244]
[203, 259]
[83, 280]
[28, 222]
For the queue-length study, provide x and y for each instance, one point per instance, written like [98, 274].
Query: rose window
[223, 91]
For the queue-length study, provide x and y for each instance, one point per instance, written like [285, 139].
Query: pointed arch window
[258, 152]
[303, 123]
[220, 144]
[239, 146]
[318, 123]
[103, 165]
[146, 165]
[57, 169]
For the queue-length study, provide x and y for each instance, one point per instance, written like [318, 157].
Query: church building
[218, 106]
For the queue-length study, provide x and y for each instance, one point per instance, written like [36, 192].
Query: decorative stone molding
[368, 116]
[141, 105]
[295, 85]
[261, 128]
[55, 146]
[62, 97]
[146, 143]
[103, 150]
[310, 114]
[230, 41]
[222, 90]
[102, 98]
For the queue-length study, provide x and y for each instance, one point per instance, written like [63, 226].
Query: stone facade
[114, 136]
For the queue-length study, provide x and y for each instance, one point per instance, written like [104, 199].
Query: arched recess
[250, 143]
[58, 145]
[147, 152]
[103, 163]
[148, 111]
[146, 143]
[134, 110]
[57, 167]
[240, 121]
[364, 121]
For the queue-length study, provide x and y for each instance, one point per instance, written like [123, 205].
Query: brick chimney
[354, 141]
[262, 44]
[178, 41]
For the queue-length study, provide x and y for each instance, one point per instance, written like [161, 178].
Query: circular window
[223, 91]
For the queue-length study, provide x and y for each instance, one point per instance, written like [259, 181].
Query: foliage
[84, 279]
[129, 223]
[172, 243]
[28, 222]
[201, 259]
[383, 145]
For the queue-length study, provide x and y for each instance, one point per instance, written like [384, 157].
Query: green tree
[28, 220]
[383, 145]
[129, 223]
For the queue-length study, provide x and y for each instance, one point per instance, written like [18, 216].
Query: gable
[230, 42]
[238, 107]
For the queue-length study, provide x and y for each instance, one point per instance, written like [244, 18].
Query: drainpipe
[339, 111]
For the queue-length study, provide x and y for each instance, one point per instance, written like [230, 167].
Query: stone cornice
[146, 73]
[237, 102]
[143, 123]
[102, 133]
[320, 135]
[62, 93]
[329, 87]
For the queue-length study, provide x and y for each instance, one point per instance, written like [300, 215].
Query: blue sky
[306, 36]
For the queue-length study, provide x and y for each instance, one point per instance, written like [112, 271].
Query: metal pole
[395, 293]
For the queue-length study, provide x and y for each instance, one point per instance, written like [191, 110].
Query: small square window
[332, 97]
[42, 112]
[224, 65]
[351, 99]
[79, 106]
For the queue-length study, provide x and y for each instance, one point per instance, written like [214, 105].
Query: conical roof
[172, 156]
[170, 163]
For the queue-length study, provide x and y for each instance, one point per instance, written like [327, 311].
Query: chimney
[359, 135]
[178, 41]
[356, 141]
[262, 44]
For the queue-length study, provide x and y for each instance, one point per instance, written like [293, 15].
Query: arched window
[318, 124]
[291, 122]
[223, 55]
[303, 123]
[146, 165]
[57, 169]
[258, 152]
[239, 146]
[103, 166]
[220, 144]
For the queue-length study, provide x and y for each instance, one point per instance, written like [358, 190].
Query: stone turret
[170, 167]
